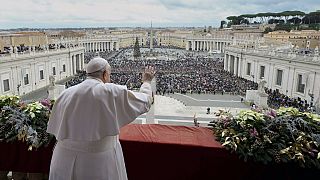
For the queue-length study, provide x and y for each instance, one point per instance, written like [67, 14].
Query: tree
[284, 27]
[267, 30]
[249, 16]
[245, 21]
[294, 20]
[136, 49]
[235, 20]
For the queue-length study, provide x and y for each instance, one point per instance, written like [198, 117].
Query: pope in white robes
[86, 120]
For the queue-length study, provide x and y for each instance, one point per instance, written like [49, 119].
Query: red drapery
[158, 152]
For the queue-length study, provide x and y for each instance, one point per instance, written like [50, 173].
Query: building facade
[305, 39]
[292, 74]
[24, 73]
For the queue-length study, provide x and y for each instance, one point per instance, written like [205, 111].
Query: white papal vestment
[85, 120]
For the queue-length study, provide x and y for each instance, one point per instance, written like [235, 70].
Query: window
[41, 75]
[249, 69]
[279, 77]
[64, 68]
[53, 70]
[300, 86]
[262, 69]
[26, 79]
[6, 85]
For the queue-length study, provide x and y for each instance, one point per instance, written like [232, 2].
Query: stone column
[225, 64]
[223, 44]
[207, 45]
[235, 66]
[229, 63]
[239, 67]
[81, 61]
[72, 65]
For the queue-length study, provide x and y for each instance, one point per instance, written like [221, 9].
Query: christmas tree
[136, 50]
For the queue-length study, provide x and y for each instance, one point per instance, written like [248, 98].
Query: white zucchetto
[96, 64]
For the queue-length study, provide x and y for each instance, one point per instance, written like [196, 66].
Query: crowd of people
[80, 76]
[187, 73]
[276, 100]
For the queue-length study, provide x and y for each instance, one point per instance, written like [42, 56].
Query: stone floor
[178, 109]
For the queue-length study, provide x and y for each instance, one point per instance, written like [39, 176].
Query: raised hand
[148, 74]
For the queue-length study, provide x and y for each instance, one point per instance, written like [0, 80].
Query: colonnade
[206, 45]
[100, 46]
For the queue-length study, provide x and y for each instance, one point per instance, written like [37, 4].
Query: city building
[24, 73]
[294, 75]
[305, 39]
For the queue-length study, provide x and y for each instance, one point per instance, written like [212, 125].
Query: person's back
[86, 120]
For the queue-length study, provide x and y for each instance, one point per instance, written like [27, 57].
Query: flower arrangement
[24, 122]
[269, 136]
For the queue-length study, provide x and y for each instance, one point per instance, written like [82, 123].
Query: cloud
[86, 13]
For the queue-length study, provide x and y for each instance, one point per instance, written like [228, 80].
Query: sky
[136, 13]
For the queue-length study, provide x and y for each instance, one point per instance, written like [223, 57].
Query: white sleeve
[146, 89]
[133, 104]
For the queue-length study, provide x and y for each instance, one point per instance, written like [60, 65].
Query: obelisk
[151, 39]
